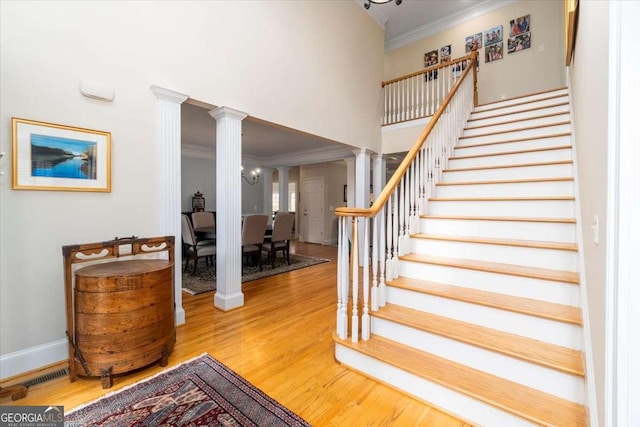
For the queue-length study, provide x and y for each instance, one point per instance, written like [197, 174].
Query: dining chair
[194, 249]
[204, 220]
[280, 238]
[253, 229]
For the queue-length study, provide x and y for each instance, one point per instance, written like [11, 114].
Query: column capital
[360, 151]
[168, 95]
[283, 168]
[220, 112]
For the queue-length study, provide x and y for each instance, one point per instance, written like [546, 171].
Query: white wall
[198, 174]
[589, 85]
[298, 64]
[516, 74]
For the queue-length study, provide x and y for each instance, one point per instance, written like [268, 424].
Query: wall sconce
[253, 178]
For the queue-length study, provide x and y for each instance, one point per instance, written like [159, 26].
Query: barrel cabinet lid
[124, 268]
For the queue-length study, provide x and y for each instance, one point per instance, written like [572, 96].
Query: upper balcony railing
[419, 94]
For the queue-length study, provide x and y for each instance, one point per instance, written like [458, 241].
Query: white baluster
[396, 226]
[366, 321]
[382, 288]
[374, 261]
[354, 280]
[343, 282]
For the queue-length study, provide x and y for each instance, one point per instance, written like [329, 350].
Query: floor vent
[47, 377]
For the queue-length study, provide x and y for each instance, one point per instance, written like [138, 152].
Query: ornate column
[169, 178]
[283, 188]
[228, 207]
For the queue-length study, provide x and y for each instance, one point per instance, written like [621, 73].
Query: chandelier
[253, 178]
[367, 3]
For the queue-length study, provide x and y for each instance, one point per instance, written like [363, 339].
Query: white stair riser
[511, 159]
[522, 230]
[516, 172]
[473, 129]
[545, 290]
[559, 333]
[528, 144]
[516, 134]
[519, 208]
[532, 257]
[500, 118]
[439, 396]
[544, 98]
[519, 189]
[548, 380]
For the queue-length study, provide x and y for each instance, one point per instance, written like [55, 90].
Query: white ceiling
[269, 145]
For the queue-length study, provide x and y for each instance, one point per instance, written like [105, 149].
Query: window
[275, 197]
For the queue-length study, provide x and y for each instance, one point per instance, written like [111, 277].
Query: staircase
[484, 321]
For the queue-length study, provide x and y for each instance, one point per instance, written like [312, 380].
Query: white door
[313, 211]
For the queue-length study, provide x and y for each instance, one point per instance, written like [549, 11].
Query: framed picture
[473, 42]
[519, 42]
[519, 25]
[344, 193]
[493, 52]
[48, 156]
[431, 58]
[445, 54]
[493, 35]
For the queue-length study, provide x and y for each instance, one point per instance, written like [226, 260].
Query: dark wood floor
[281, 341]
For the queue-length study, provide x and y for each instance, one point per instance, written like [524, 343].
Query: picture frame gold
[54, 157]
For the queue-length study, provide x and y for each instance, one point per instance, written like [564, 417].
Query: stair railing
[396, 211]
[419, 94]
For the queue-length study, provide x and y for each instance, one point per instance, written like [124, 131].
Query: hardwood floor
[281, 341]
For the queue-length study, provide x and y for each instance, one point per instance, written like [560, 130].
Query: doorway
[313, 210]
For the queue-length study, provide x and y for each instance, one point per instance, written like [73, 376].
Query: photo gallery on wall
[493, 39]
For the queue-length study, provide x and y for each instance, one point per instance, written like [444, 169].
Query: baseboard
[18, 362]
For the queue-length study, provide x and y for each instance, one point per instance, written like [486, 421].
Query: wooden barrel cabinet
[122, 316]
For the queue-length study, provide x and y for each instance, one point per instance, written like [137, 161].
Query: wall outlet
[541, 48]
[596, 229]
[503, 96]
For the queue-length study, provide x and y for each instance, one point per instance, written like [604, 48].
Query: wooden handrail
[429, 69]
[385, 194]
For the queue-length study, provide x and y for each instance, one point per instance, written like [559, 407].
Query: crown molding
[198, 151]
[445, 22]
[300, 158]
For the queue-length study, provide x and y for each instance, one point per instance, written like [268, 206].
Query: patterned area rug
[205, 278]
[201, 392]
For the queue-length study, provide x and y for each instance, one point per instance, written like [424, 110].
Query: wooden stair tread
[499, 199]
[528, 110]
[497, 267]
[524, 119]
[507, 153]
[502, 242]
[539, 352]
[532, 307]
[506, 181]
[500, 132]
[533, 405]
[542, 92]
[501, 218]
[513, 165]
[529, 138]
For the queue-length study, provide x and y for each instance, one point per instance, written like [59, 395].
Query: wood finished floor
[281, 341]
